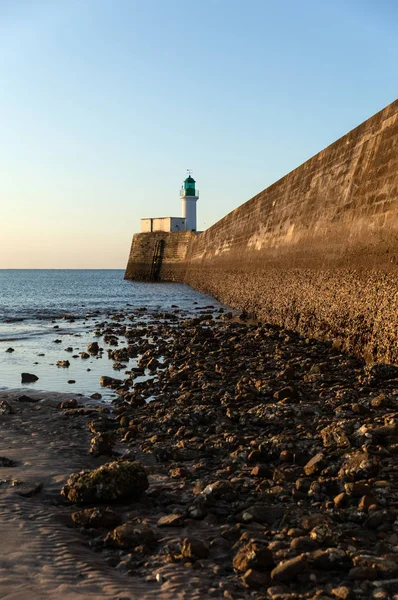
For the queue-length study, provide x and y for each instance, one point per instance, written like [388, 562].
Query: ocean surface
[35, 306]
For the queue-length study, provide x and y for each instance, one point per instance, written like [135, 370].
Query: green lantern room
[189, 186]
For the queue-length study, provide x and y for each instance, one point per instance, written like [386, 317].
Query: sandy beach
[249, 463]
[41, 554]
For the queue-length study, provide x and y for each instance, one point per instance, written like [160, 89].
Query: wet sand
[270, 462]
[42, 555]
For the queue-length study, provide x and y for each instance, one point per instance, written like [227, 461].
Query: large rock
[106, 381]
[104, 518]
[316, 464]
[130, 535]
[102, 444]
[93, 348]
[253, 556]
[28, 378]
[255, 579]
[112, 482]
[194, 549]
[358, 465]
[288, 570]
[334, 436]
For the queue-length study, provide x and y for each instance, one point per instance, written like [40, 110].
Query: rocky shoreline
[251, 462]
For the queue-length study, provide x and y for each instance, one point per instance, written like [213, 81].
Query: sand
[41, 555]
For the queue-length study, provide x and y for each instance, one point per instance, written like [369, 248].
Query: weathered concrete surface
[142, 251]
[318, 250]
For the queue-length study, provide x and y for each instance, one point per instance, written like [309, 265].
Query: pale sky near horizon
[104, 104]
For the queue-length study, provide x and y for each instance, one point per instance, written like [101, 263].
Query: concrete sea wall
[142, 252]
[318, 250]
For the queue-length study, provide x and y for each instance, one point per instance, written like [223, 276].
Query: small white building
[188, 196]
[163, 224]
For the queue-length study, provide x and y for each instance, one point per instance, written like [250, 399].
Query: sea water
[36, 307]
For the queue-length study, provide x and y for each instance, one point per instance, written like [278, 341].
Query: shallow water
[34, 305]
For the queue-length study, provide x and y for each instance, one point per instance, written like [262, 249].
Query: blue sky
[104, 104]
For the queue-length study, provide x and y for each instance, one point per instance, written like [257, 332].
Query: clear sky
[104, 104]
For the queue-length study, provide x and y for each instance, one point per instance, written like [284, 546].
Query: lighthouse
[189, 195]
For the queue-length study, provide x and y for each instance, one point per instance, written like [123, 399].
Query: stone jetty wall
[318, 250]
[142, 251]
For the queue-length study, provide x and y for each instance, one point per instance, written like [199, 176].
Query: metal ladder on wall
[157, 260]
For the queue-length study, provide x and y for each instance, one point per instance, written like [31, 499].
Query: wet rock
[359, 465]
[385, 431]
[379, 517]
[286, 456]
[329, 559]
[357, 490]
[239, 451]
[303, 485]
[66, 404]
[253, 556]
[287, 393]
[261, 471]
[93, 348]
[197, 510]
[342, 592]
[262, 514]
[334, 436]
[194, 549]
[288, 570]
[104, 518]
[106, 381]
[178, 472]
[28, 378]
[130, 535]
[366, 502]
[389, 585]
[383, 566]
[322, 533]
[63, 363]
[6, 408]
[174, 520]
[340, 500]
[219, 490]
[316, 464]
[101, 425]
[7, 462]
[102, 444]
[303, 544]
[255, 579]
[362, 574]
[28, 399]
[84, 355]
[112, 482]
[29, 489]
[9, 350]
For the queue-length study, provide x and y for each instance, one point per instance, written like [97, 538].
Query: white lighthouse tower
[189, 195]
